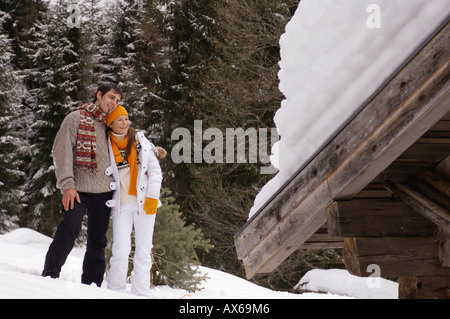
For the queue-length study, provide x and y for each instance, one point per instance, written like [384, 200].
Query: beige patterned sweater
[64, 158]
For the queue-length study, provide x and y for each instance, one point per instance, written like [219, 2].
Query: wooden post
[444, 253]
[351, 256]
[424, 287]
[444, 248]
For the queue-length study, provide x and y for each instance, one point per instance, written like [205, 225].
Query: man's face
[108, 102]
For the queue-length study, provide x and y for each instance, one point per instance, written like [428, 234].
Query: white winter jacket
[148, 180]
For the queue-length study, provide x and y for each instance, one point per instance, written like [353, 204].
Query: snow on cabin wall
[334, 55]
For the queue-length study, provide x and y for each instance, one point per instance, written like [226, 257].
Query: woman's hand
[150, 206]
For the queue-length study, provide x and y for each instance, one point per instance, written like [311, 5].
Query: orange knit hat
[120, 110]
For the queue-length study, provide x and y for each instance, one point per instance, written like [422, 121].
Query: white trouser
[143, 229]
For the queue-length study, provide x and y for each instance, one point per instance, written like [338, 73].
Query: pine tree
[88, 69]
[186, 27]
[130, 70]
[19, 24]
[175, 247]
[137, 61]
[53, 72]
[110, 40]
[237, 89]
[10, 143]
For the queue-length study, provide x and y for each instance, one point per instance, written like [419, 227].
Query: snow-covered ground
[22, 254]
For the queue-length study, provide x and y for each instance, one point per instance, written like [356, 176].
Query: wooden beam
[376, 218]
[400, 170]
[427, 152]
[322, 240]
[444, 248]
[399, 131]
[428, 191]
[444, 168]
[439, 182]
[423, 205]
[289, 235]
[396, 256]
[290, 199]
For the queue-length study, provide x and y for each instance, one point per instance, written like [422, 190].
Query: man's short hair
[106, 87]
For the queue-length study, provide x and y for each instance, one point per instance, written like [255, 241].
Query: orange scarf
[132, 160]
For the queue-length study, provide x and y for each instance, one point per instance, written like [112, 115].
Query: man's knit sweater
[63, 153]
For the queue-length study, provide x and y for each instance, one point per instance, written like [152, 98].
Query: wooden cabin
[380, 189]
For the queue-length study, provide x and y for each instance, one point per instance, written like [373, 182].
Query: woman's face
[120, 125]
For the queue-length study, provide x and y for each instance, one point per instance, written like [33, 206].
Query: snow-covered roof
[335, 55]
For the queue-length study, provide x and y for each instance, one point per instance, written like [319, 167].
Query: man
[81, 158]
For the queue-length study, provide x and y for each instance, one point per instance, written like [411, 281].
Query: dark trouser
[68, 230]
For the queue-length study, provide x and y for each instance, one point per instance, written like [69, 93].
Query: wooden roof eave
[414, 99]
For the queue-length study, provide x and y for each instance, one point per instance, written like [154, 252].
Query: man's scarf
[86, 150]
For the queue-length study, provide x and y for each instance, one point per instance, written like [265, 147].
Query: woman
[136, 170]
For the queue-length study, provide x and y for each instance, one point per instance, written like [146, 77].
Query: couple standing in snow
[104, 168]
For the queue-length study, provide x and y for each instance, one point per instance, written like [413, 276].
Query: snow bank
[341, 282]
[22, 255]
[334, 55]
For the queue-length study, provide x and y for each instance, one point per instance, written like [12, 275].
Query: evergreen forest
[178, 62]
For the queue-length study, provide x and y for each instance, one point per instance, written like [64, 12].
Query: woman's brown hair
[131, 134]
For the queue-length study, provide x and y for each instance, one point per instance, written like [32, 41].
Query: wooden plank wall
[384, 230]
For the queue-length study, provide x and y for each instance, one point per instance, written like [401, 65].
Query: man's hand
[68, 199]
